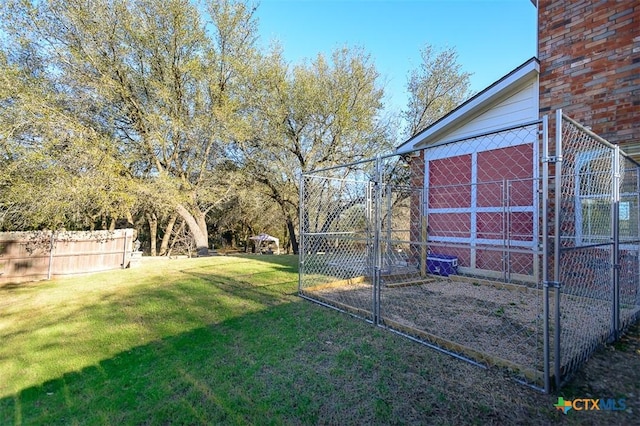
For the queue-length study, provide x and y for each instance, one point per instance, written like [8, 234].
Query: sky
[492, 37]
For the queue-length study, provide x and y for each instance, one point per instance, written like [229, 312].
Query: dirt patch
[613, 371]
[502, 324]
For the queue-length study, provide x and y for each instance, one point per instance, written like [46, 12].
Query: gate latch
[552, 159]
[552, 284]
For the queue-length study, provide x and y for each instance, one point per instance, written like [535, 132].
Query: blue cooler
[442, 264]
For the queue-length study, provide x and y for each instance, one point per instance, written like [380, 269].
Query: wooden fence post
[51, 247]
[124, 250]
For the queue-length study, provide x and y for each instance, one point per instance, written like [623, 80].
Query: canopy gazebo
[265, 238]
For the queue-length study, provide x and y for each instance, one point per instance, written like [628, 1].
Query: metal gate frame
[571, 140]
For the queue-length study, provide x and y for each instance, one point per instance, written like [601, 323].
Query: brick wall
[417, 168]
[589, 55]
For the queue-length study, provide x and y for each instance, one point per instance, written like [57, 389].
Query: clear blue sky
[492, 37]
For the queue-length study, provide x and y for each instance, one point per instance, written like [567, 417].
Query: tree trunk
[286, 241]
[247, 230]
[292, 235]
[164, 245]
[153, 232]
[199, 232]
[202, 226]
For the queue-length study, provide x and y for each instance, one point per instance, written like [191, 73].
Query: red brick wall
[417, 182]
[589, 55]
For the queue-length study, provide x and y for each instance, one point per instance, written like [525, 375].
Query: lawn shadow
[8, 286]
[273, 358]
[206, 373]
[257, 367]
[291, 363]
[188, 302]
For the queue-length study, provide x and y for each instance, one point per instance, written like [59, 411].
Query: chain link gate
[338, 237]
[464, 247]
[596, 236]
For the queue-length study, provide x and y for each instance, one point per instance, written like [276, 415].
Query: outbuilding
[480, 169]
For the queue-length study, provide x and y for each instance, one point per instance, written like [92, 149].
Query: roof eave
[473, 106]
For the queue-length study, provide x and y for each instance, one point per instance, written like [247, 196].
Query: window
[593, 198]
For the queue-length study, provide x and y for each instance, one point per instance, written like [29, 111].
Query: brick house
[589, 53]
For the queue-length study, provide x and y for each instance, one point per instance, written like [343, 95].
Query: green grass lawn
[225, 340]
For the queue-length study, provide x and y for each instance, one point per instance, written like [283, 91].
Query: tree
[247, 213]
[318, 114]
[435, 88]
[55, 171]
[165, 88]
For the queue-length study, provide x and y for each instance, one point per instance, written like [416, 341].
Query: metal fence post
[508, 184]
[389, 225]
[423, 216]
[505, 229]
[377, 254]
[556, 243]
[545, 251]
[615, 230]
[371, 242]
[301, 232]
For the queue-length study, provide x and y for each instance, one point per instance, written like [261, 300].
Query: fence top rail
[447, 142]
[476, 136]
[598, 137]
[333, 178]
[313, 173]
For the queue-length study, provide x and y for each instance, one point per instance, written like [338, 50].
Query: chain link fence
[597, 232]
[467, 247]
[338, 236]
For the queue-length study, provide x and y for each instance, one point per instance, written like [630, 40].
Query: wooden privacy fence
[31, 256]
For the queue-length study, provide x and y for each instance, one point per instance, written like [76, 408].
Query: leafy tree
[248, 212]
[435, 88]
[55, 171]
[114, 108]
[165, 88]
[315, 115]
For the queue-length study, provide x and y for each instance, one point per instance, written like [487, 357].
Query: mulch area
[500, 322]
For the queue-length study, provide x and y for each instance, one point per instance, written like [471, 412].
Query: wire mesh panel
[629, 234]
[460, 245]
[598, 234]
[337, 237]
[402, 243]
[441, 244]
[585, 236]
